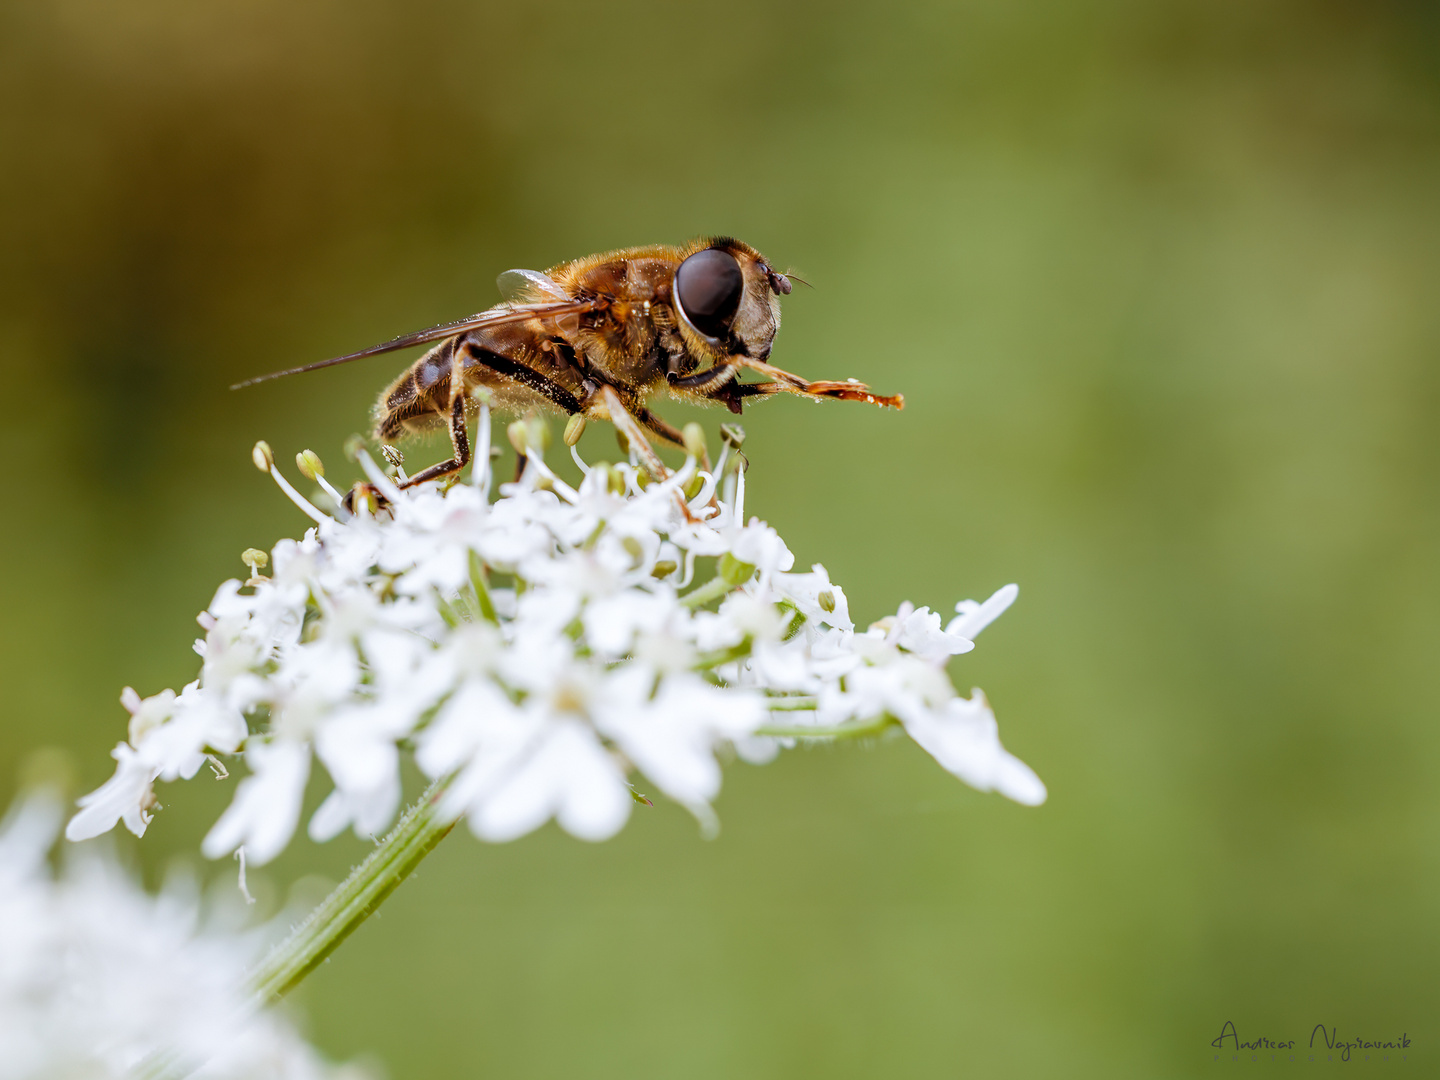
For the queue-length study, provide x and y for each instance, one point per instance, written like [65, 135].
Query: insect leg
[705, 381]
[526, 376]
[788, 383]
[621, 418]
[667, 431]
[459, 437]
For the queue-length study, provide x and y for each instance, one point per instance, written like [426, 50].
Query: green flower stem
[792, 703]
[713, 589]
[851, 729]
[482, 591]
[706, 661]
[356, 898]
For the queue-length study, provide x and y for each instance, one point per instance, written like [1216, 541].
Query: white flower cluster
[98, 979]
[535, 650]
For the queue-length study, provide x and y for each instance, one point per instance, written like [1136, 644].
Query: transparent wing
[506, 313]
[529, 287]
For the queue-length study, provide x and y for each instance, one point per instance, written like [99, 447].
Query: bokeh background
[1158, 281]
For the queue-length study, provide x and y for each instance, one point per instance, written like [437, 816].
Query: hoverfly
[599, 337]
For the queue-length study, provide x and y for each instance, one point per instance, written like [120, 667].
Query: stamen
[689, 570]
[245, 892]
[631, 475]
[740, 497]
[564, 490]
[705, 494]
[676, 481]
[396, 459]
[313, 469]
[265, 462]
[377, 475]
[480, 471]
[724, 457]
[575, 457]
[256, 560]
[574, 428]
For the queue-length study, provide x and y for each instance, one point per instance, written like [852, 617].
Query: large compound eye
[708, 287]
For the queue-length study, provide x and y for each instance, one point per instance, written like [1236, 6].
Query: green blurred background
[1158, 281]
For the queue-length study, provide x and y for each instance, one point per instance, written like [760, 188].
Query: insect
[599, 337]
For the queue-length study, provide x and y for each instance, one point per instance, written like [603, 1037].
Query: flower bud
[309, 464]
[734, 571]
[537, 434]
[262, 457]
[614, 480]
[516, 434]
[574, 428]
[694, 439]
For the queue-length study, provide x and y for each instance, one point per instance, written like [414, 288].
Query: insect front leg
[620, 416]
[667, 431]
[787, 383]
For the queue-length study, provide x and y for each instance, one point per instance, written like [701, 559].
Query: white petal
[975, 617]
[357, 750]
[370, 812]
[965, 740]
[266, 807]
[672, 739]
[569, 776]
[596, 803]
[461, 726]
[122, 796]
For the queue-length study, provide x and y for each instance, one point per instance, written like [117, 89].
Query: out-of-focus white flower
[535, 649]
[559, 770]
[99, 979]
[267, 803]
[127, 796]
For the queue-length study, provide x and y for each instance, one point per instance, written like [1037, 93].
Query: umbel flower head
[99, 979]
[536, 651]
